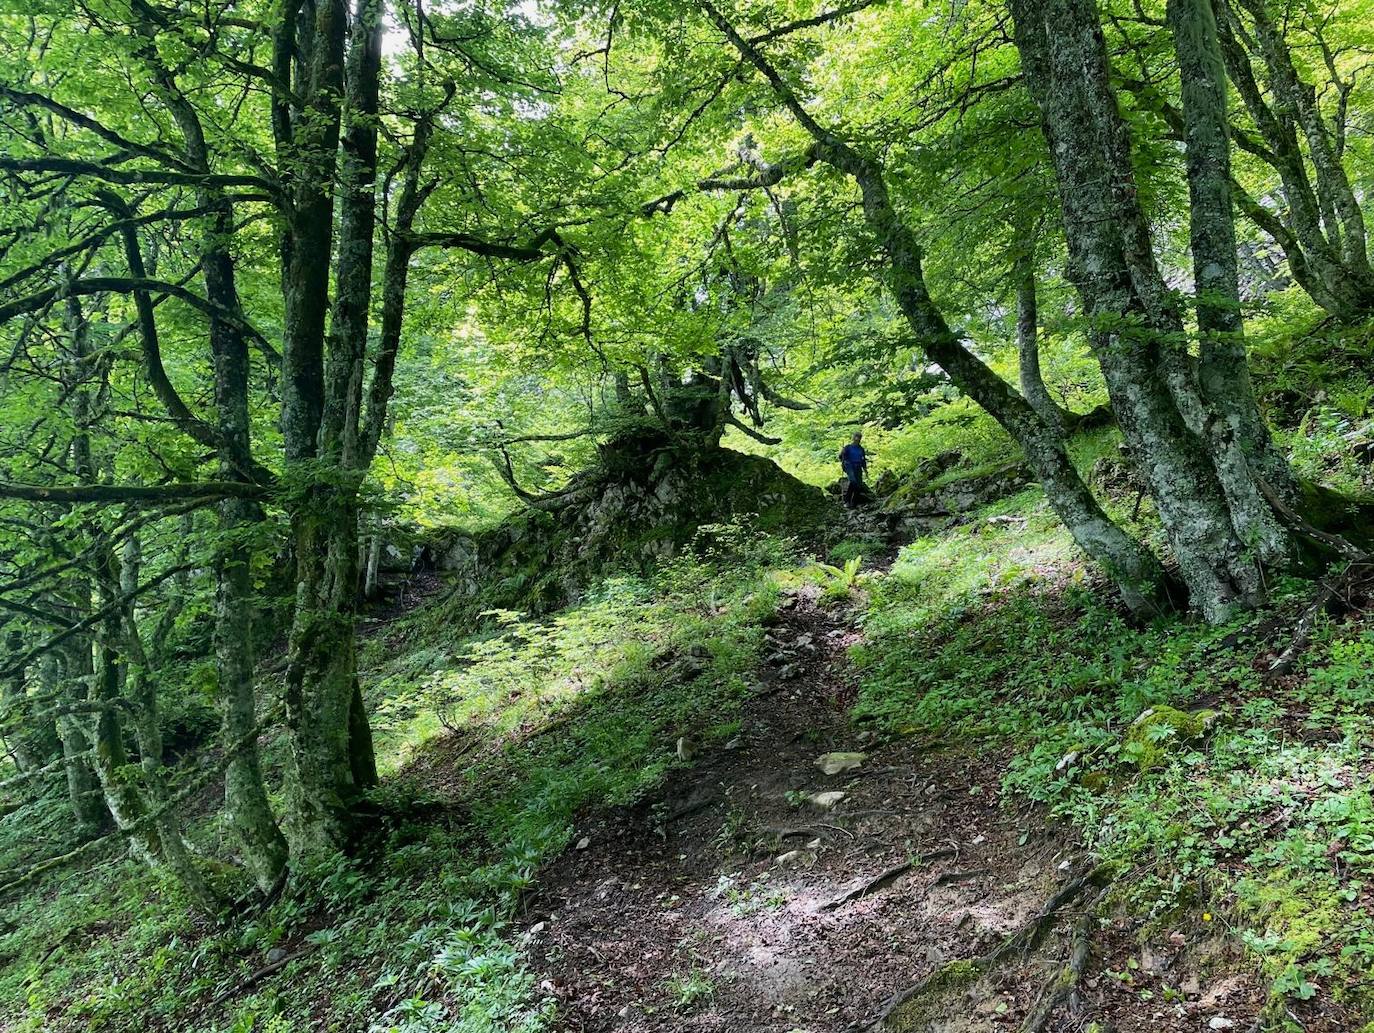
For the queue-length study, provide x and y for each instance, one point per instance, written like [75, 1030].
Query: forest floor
[755, 892]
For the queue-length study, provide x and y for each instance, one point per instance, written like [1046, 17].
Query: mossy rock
[1156, 733]
[1096, 781]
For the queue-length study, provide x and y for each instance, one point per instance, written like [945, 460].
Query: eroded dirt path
[720, 905]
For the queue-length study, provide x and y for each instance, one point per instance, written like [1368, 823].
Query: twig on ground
[257, 977]
[1328, 594]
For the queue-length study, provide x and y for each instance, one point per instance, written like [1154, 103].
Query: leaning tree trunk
[1210, 507]
[1132, 567]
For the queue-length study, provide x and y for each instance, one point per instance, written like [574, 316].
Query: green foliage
[693, 989]
[550, 717]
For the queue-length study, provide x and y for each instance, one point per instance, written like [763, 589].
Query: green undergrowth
[1164, 747]
[495, 748]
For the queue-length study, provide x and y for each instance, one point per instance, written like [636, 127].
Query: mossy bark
[1322, 232]
[328, 441]
[1218, 525]
[1223, 369]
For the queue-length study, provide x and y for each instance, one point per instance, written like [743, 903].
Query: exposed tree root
[886, 878]
[1019, 944]
[950, 878]
[257, 977]
[1063, 987]
[1331, 597]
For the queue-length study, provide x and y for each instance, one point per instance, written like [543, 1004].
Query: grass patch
[495, 746]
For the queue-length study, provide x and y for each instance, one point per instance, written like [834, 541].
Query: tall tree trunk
[246, 806]
[1201, 486]
[331, 743]
[80, 745]
[311, 154]
[1223, 369]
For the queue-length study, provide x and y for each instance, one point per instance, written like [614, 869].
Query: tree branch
[111, 494]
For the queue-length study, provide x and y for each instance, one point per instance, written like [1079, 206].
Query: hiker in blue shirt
[854, 463]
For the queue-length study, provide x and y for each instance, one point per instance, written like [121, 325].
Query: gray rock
[835, 763]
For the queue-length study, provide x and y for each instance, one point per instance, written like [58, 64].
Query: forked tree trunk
[1216, 521]
[1223, 369]
[1322, 232]
[331, 743]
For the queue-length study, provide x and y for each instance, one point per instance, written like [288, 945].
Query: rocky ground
[805, 878]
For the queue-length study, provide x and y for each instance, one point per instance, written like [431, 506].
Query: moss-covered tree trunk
[1322, 232]
[1223, 369]
[1217, 522]
[331, 746]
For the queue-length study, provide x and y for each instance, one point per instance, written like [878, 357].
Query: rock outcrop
[643, 503]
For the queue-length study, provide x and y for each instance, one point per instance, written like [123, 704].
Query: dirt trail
[739, 901]
[719, 906]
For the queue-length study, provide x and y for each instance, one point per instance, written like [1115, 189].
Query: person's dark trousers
[853, 489]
